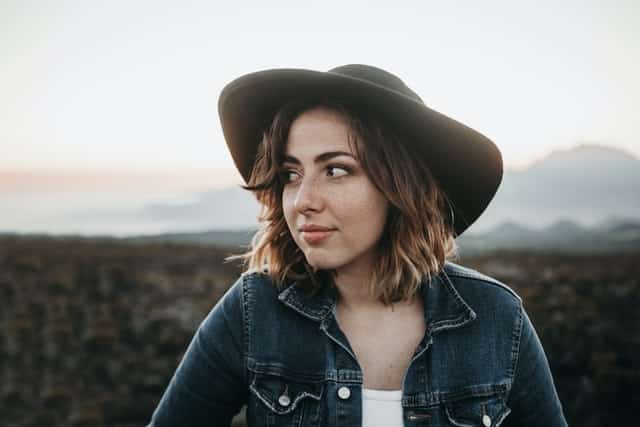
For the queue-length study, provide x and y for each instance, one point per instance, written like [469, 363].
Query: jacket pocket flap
[282, 395]
[485, 411]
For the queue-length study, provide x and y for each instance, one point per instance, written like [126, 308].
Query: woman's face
[326, 187]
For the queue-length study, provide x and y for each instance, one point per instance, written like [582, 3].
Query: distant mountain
[565, 236]
[228, 209]
[225, 238]
[587, 184]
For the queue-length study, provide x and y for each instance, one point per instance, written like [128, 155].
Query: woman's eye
[337, 171]
[288, 175]
[333, 171]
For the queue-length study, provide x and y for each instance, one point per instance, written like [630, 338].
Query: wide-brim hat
[466, 164]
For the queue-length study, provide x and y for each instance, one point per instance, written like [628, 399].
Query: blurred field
[91, 331]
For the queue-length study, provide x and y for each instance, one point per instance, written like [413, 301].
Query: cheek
[362, 210]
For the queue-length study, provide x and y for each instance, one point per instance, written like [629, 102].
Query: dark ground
[91, 331]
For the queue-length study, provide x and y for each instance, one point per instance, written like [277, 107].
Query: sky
[132, 86]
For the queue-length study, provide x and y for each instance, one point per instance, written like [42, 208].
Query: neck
[353, 284]
[356, 307]
[353, 293]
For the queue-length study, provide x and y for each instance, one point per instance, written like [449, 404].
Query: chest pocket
[282, 401]
[472, 411]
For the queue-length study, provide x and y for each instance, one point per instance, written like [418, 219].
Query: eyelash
[284, 174]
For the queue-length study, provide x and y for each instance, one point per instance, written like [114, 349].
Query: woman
[350, 313]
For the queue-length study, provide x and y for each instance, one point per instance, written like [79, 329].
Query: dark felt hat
[465, 163]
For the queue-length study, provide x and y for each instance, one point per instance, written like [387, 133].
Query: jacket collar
[444, 306]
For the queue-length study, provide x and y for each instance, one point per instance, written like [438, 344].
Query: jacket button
[344, 393]
[486, 420]
[284, 400]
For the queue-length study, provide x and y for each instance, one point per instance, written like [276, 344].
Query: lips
[312, 233]
[314, 227]
[315, 236]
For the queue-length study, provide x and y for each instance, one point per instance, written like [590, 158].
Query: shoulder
[248, 284]
[241, 297]
[473, 283]
[254, 277]
[257, 285]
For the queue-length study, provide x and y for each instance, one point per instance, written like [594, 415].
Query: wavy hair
[417, 237]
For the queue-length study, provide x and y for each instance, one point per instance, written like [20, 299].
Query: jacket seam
[515, 350]
[490, 282]
[456, 295]
[245, 329]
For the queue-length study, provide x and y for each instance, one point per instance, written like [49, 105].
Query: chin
[317, 260]
[323, 263]
[318, 264]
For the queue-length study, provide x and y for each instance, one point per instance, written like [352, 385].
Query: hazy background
[109, 125]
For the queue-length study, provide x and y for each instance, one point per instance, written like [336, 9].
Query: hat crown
[377, 76]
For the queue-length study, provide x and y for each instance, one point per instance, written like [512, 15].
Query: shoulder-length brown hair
[417, 237]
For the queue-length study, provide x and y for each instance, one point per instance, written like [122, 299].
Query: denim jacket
[283, 354]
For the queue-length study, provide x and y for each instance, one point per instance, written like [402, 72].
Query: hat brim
[466, 165]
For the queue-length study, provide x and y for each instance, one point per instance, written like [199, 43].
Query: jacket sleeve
[209, 386]
[533, 398]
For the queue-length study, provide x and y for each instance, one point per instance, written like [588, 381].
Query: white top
[381, 408]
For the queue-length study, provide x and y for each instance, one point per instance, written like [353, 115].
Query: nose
[308, 197]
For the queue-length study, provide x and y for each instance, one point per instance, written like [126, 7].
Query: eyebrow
[319, 158]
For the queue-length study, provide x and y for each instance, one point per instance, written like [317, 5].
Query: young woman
[350, 313]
